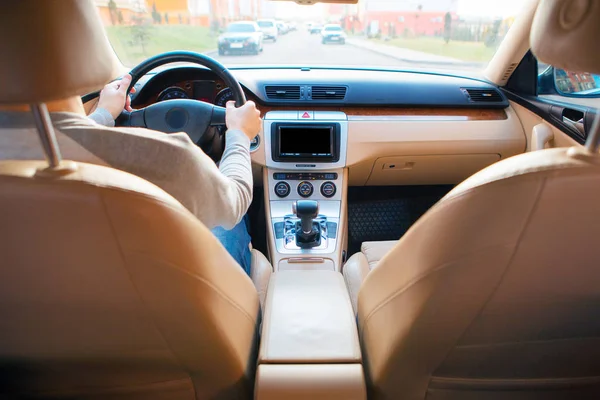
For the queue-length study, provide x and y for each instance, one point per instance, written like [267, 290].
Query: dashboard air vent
[283, 92]
[328, 92]
[483, 95]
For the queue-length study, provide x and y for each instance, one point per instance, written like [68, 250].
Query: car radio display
[305, 141]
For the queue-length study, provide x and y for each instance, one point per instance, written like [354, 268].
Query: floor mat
[386, 212]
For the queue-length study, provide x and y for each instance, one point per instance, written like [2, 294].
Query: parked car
[333, 33]
[241, 37]
[315, 28]
[269, 29]
[282, 27]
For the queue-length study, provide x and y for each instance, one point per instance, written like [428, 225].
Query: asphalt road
[302, 48]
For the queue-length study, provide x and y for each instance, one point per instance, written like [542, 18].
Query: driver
[218, 196]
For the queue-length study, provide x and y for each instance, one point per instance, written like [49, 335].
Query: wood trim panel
[469, 114]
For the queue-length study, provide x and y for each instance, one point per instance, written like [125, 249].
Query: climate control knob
[282, 189]
[305, 189]
[328, 189]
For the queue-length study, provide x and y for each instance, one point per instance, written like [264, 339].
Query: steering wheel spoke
[218, 116]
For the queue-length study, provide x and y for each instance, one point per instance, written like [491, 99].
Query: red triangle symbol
[306, 115]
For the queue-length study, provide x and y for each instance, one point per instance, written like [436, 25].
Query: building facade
[206, 12]
[395, 17]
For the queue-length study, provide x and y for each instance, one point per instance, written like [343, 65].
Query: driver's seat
[109, 287]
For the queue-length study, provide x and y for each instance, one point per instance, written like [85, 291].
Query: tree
[112, 11]
[417, 15]
[155, 14]
[166, 18]
[491, 38]
[447, 27]
[140, 32]
[180, 20]
[120, 17]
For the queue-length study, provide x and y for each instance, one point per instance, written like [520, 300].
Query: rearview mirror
[576, 84]
[309, 2]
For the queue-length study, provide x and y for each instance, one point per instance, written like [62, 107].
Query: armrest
[308, 319]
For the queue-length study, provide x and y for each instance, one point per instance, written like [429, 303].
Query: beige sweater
[218, 196]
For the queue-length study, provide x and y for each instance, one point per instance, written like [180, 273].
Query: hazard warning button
[306, 115]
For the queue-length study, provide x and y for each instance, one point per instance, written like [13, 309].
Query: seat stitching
[111, 390]
[502, 344]
[410, 283]
[203, 280]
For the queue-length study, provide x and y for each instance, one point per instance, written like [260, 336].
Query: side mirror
[576, 84]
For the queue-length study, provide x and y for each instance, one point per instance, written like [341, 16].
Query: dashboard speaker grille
[509, 71]
[283, 92]
[328, 92]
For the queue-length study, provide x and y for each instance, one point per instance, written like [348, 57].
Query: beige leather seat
[108, 286]
[360, 264]
[495, 292]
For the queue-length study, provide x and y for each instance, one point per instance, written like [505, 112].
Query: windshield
[240, 28]
[458, 36]
[265, 24]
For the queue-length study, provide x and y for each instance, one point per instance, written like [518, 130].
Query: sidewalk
[406, 55]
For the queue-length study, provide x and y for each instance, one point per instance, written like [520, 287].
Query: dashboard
[398, 127]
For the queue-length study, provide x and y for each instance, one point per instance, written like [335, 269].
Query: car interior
[415, 235]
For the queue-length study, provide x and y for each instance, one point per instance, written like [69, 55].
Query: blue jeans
[237, 242]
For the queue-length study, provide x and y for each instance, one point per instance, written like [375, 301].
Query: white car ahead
[333, 33]
[268, 28]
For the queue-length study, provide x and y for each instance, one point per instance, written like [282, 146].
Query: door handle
[575, 124]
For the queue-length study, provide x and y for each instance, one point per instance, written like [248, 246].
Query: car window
[265, 24]
[235, 28]
[333, 28]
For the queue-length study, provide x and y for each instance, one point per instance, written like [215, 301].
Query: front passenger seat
[495, 292]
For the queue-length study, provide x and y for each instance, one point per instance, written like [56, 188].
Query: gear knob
[306, 210]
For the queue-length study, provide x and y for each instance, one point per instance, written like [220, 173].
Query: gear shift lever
[306, 210]
[307, 236]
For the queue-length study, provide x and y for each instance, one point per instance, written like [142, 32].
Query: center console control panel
[305, 157]
[304, 184]
[290, 185]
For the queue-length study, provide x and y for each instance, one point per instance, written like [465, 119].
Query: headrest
[565, 34]
[51, 50]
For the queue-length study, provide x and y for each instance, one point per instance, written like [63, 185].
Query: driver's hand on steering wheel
[245, 118]
[114, 97]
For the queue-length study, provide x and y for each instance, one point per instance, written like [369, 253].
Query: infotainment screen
[316, 142]
[306, 141]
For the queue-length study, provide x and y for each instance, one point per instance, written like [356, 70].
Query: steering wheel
[194, 117]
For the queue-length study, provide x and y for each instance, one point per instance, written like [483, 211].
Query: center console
[309, 344]
[305, 188]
